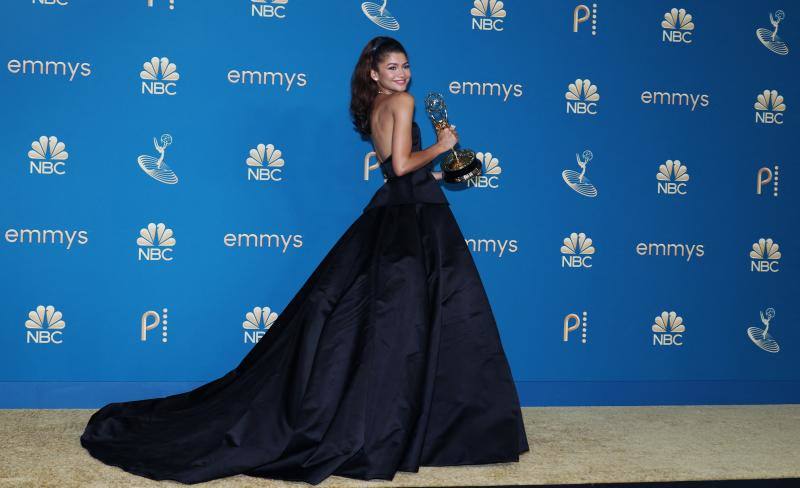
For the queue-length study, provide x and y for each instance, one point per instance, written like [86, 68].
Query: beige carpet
[40, 448]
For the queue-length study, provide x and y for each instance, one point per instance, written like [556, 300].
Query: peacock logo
[764, 256]
[487, 15]
[770, 107]
[155, 242]
[265, 163]
[489, 175]
[159, 77]
[678, 26]
[577, 251]
[672, 177]
[257, 322]
[47, 156]
[668, 329]
[44, 325]
[379, 15]
[582, 97]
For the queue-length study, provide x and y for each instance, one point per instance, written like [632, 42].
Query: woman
[387, 359]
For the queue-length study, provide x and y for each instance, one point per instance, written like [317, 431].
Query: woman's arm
[403, 160]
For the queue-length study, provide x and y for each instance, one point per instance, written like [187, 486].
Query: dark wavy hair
[362, 87]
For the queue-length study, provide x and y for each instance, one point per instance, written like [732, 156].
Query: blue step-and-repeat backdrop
[173, 171]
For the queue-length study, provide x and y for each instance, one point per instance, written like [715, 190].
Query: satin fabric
[388, 358]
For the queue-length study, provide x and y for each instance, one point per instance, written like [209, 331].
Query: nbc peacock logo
[577, 251]
[45, 325]
[765, 256]
[770, 107]
[766, 177]
[668, 329]
[488, 15]
[265, 163]
[677, 27]
[490, 175]
[257, 322]
[573, 322]
[761, 337]
[48, 156]
[769, 38]
[380, 15]
[156, 242]
[268, 9]
[159, 77]
[672, 177]
[582, 97]
[579, 181]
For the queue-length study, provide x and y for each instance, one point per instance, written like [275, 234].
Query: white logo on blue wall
[672, 177]
[265, 163]
[487, 15]
[379, 14]
[582, 14]
[45, 325]
[490, 176]
[577, 251]
[769, 107]
[573, 322]
[770, 38]
[668, 329]
[579, 181]
[677, 26]
[151, 320]
[765, 256]
[171, 4]
[257, 323]
[765, 176]
[48, 156]
[159, 77]
[60, 3]
[155, 243]
[268, 9]
[761, 337]
[157, 168]
[582, 97]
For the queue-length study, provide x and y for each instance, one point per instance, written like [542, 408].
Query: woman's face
[393, 73]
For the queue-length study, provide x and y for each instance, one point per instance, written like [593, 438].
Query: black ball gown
[388, 358]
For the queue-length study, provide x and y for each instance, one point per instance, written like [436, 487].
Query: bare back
[382, 127]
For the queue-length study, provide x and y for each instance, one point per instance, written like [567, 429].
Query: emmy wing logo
[380, 15]
[579, 181]
[265, 163]
[672, 177]
[678, 26]
[582, 97]
[45, 325]
[155, 243]
[257, 323]
[764, 176]
[150, 320]
[490, 174]
[487, 15]
[47, 156]
[582, 14]
[268, 9]
[769, 38]
[668, 329]
[159, 77]
[157, 168]
[764, 256]
[577, 251]
[761, 337]
[769, 107]
[573, 322]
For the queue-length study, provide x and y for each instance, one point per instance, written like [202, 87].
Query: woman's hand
[447, 138]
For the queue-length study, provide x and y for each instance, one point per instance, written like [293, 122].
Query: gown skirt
[388, 358]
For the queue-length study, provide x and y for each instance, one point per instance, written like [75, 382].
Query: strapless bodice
[418, 186]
